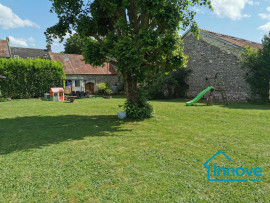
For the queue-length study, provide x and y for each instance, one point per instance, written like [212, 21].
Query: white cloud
[56, 44]
[231, 8]
[31, 39]
[197, 10]
[265, 15]
[22, 42]
[57, 41]
[265, 27]
[9, 20]
[252, 3]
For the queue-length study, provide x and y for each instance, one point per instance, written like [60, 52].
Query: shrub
[167, 86]
[258, 65]
[133, 111]
[104, 89]
[101, 88]
[2, 99]
[108, 91]
[26, 78]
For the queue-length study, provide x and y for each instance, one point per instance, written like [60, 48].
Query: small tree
[258, 64]
[74, 45]
[139, 37]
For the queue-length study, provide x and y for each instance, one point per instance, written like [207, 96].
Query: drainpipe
[108, 73]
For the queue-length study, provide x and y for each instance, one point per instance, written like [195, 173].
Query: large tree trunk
[131, 88]
[136, 106]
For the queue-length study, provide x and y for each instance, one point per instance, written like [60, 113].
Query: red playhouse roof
[56, 89]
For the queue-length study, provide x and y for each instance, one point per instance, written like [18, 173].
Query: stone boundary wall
[208, 56]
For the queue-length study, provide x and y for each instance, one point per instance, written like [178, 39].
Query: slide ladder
[219, 86]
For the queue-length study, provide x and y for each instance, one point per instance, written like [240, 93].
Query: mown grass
[81, 152]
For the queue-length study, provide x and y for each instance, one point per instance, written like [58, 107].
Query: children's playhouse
[57, 94]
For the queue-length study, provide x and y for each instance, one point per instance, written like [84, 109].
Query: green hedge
[26, 78]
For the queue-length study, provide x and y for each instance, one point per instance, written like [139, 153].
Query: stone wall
[208, 56]
[111, 79]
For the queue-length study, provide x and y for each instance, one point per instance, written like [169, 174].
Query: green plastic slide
[199, 96]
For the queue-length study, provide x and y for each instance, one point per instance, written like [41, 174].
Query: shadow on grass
[24, 133]
[169, 100]
[248, 106]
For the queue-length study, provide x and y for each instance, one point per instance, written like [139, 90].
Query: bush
[258, 65]
[104, 89]
[26, 78]
[168, 86]
[2, 99]
[108, 91]
[133, 111]
[101, 88]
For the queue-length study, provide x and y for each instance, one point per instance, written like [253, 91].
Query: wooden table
[72, 98]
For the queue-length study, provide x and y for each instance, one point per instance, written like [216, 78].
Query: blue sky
[25, 21]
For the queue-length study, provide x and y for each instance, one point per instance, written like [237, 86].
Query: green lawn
[62, 152]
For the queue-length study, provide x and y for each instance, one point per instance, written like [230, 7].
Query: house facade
[217, 54]
[84, 77]
[79, 75]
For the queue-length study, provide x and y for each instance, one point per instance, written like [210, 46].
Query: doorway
[90, 87]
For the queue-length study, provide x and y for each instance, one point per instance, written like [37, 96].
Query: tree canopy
[257, 63]
[139, 37]
[74, 45]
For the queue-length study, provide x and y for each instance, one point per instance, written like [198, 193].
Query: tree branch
[97, 38]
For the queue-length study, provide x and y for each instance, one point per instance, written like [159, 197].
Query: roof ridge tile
[234, 40]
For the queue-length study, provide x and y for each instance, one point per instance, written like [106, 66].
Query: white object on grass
[121, 114]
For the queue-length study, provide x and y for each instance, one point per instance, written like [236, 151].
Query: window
[16, 56]
[77, 83]
[31, 58]
[66, 58]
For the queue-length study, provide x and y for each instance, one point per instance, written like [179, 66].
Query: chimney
[8, 45]
[7, 39]
[49, 48]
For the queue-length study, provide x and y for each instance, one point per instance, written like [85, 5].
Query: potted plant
[105, 90]
[101, 88]
[107, 93]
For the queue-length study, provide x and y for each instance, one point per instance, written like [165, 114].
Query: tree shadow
[247, 106]
[177, 100]
[24, 133]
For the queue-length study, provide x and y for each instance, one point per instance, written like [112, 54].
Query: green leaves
[74, 45]
[27, 78]
[134, 111]
[258, 65]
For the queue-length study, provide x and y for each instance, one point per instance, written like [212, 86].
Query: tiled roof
[4, 49]
[74, 65]
[233, 40]
[29, 53]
